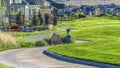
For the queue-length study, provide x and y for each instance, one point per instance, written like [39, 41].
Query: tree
[35, 20]
[19, 18]
[46, 19]
[40, 17]
[55, 20]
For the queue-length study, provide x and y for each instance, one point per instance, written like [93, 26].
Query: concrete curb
[77, 61]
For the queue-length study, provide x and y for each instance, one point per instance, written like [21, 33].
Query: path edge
[78, 61]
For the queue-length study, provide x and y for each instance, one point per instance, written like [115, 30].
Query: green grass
[103, 34]
[4, 66]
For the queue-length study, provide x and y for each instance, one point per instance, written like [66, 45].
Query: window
[12, 9]
[18, 1]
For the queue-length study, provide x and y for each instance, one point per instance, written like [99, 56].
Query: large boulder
[56, 39]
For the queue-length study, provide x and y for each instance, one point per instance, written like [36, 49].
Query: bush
[65, 41]
[41, 43]
[81, 16]
[27, 43]
[48, 40]
[7, 40]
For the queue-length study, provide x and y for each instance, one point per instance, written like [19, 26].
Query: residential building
[26, 6]
[57, 9]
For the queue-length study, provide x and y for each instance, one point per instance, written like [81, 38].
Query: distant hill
[88, 2]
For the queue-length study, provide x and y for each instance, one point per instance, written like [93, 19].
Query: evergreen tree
[40, 17]
[35, 20]
[19, 18]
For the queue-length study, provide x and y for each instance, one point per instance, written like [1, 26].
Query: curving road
[34, 58]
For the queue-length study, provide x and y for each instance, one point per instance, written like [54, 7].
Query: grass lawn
[103, 34]
[4, 66]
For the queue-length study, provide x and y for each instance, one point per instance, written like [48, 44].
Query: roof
[51, 1]
[25, 2]
[31, 2]
[56, 5]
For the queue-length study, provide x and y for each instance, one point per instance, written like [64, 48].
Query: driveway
[34, 58]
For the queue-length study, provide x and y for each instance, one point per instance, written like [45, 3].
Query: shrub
[7, 40]
[81, 16]
[63, 38]
[27, 43]
[48, 40]
[41, 43]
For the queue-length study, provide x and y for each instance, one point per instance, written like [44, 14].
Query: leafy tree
[19, 18]
[40, 17]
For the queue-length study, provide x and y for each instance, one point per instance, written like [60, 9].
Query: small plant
[41, 43]
[63, 38]
[48, 40]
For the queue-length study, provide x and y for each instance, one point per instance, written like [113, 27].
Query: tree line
[36, 20]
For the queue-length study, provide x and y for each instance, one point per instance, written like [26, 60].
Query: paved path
[34, 58]
[38, 37]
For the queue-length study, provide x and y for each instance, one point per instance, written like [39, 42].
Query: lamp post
[68, 30]
[68, 37]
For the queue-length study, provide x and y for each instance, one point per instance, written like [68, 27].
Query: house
[26, 6]
[56, 8]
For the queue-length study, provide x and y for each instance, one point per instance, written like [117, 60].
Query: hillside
[103, 37]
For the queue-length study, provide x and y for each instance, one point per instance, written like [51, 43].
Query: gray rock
[56, 39]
